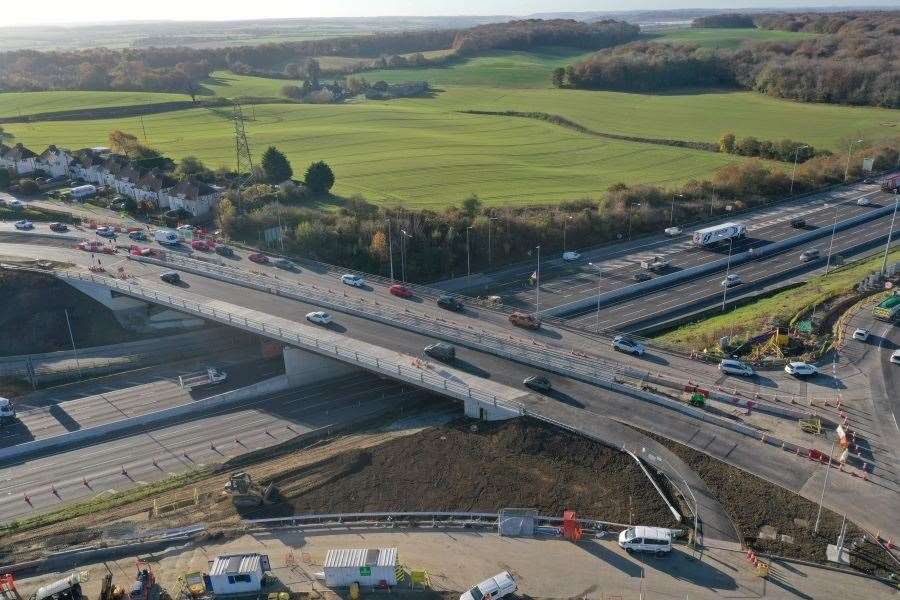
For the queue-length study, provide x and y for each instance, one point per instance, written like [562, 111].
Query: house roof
[192, 189]
[235, 563]
[19, 152]
[361, 557]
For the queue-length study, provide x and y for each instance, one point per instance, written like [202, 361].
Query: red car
[400, 290]
[201, 245]
[259, 258]
[93, 246]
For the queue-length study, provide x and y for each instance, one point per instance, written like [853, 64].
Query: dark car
[538, 383]
[138, 236]
[641, 276]
[59, 227]
[441, 351]
[450, 303]
[171, 277]
[222, 250]
[798, 223]
[809, 255]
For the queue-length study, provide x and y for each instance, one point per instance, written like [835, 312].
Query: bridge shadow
[565, 398]
[681, 566]
[612, 558]
[64, 418]
[655, 359]
[468, 367]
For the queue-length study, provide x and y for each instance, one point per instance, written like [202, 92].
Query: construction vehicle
[67, 588]
[244, 492]
[656, 264]
[144, 585]
[8, 589]
[209, 377]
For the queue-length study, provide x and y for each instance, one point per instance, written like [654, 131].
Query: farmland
[725, 38]
[28, 103]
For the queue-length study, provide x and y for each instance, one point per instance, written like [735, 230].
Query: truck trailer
[719, 233]
[891, 183]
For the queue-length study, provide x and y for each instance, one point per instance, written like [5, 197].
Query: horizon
[67, 14]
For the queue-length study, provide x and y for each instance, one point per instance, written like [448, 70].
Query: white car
[800, 369]
[570, 256]
[24, 224]
[14, 204]
[863, 202]
[623, 344]
[318, 317]
[895, 357]
[861, 334]
[673, 231]
[185, 228]
[501, 584]
[353, 280]
[731, 280]
[730, 366]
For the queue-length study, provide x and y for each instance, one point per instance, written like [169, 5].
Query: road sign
[365, 571]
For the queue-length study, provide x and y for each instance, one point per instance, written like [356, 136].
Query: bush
[28, 187]
[319, 177]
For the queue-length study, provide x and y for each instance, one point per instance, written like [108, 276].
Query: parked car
[869, 180]
[498, 586]
[95, 246]
[352, 280]
[731, 366]
[731, 280]
[450, 303]
[441, 351]
[861, 334]
[525, 320]
[623, 344]
[185, 227]
[570, 256]
[223, 250]
[318, 317]
[809, 255]
[673, 231]
[24, 225]
[642, 276]
[895, 357]
[798, 222]
[286, 264]
[59, 227]
[138, 236]
[259, 258]
[14, 203]
[863, 202]
[201, 245]
[538, 383]
[800, 369]
[107, 232]
[170, 277]
[657, 540]
[400, 291]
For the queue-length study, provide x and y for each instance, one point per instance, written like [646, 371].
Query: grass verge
[757, 317]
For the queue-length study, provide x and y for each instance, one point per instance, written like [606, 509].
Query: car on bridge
[352, 280]
[731, 280]
[401, 291]
[538, 383]
[450, 303]
[441, 351]
[623, 344]
[259, 258]
[319, 317]
[171, 277]
[525, 320]
[800, 369]
[24, 225]
[59, 227]
[731, 366]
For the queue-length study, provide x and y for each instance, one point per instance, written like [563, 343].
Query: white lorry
[7, 412]
[81, 192]
[719, 233]
[501, 584]
[656, 264]
[166, 237]
[209, 377]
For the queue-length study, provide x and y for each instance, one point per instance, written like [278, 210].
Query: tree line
[856, 62]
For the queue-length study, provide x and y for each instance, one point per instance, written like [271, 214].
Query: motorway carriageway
[666, 303]
[570, 282]
[115, 400]
[205, 439]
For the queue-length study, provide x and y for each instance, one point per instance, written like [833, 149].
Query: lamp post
[390, 248]
[831, 242]
[824, 485]
[403, 254]
[468, 254]
[490, 249]
[887, 244]
[794, 170]
[630, 213]
[849, 152]
[565, 222]
[727, 273]
[537, 287]
[672, 212]
[599, 282]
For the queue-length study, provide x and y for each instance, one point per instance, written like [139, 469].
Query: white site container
[238, 573]
[367, 567]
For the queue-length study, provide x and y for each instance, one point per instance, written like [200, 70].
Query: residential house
[87, 165]
[18, 158]
[55, 161]
[193, 195]
[153, 188]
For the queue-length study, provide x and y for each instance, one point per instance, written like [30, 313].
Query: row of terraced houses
[102, 167]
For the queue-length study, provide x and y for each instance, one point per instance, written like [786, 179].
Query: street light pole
[727, 272]
[887, 244]
[831, 243]
[468, 254]
[537, 287]
[849, 152]
[490, 246]
[390, 248]
[672, 212]
[630, 213]
[565, 223]
[599, 282]
[794, 170]
[403, 254]
[824, 485]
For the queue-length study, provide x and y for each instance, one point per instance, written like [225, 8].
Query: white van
[657, 540]
[729, 366]
[501, 584]
[7, 412]
[166, 237]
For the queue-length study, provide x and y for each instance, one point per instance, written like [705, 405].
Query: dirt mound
[519, 463]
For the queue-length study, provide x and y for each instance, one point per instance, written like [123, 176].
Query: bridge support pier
[303, 367]
[484, 411]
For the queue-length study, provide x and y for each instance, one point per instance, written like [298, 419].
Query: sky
[71, 11]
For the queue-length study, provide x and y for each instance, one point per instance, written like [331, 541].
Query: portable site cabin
[238, 573]
[367, 567]
[83, 191]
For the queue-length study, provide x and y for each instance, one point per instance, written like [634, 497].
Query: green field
[29, 103]
[724, 37]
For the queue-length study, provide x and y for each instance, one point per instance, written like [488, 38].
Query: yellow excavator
[244, 492]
